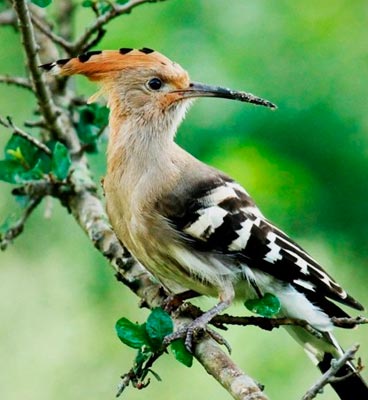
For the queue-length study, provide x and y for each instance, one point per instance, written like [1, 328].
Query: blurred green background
[306, 165]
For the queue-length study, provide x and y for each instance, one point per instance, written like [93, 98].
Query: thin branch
[35, 124]
[42, 91]
[8, 123]
[46, 30]
[264, 323]
[17, 227]
[349, 322]
[329, 375]
[8, 17]
[16, 81]
[82, 42]
[137, 375]
[218, 364]
[94, 42]
[268, 324]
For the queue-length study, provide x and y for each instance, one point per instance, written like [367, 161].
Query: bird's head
[144, 84]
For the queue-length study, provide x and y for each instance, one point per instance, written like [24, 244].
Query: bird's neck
[134, 144]
[141, 157]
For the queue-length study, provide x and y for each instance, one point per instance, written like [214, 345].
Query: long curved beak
[196, 89]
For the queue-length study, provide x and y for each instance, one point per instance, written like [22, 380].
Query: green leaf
[133, 335]
[102, 115]
[104, 7]
[41, 3]
[181, 353]
[155, 374]
[21, 150]
[33, 174]
[141, 357]
[43, 162]
[87, 3]
[159, 324]
[121, 1]
[33, 162]
[267, 306]
[60, 163]
[93, 118]
[11, 171]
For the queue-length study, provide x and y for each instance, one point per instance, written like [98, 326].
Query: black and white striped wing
[219, 216]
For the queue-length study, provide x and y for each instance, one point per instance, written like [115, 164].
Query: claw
[219, 339]
[191, 332]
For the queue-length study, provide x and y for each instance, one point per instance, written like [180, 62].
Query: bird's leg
[200, 323]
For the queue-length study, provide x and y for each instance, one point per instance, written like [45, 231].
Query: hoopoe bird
[190, 225]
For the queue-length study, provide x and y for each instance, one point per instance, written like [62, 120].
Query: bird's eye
[155, 84]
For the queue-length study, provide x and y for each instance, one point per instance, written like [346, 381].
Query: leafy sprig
[148, 338]
[24, 161]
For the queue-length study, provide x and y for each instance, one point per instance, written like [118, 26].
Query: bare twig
[94, 42]
[42, 91]
[16, 81]
[46, 30]
[82, 42]
[264, 323]
[349, 322]
[17, 227]
[271, 323]
[35, 124]
[329, 375]
[8, 123]
[8, 17]
[268, 324]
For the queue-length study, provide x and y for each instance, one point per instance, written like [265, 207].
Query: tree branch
[81, 44]
[218, 364]
[329, 375]
[42, 91]
[50, 34]
[349, 322]
[16, 228]
[268, 323]
[8, 17]
[16, 81]
[17, 131]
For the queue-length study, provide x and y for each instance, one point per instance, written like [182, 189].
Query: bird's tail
[348, 383]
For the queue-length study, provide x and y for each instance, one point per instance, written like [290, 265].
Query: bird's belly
[152, 247]
[156, 246]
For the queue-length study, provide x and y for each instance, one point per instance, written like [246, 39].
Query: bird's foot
[191, 332]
